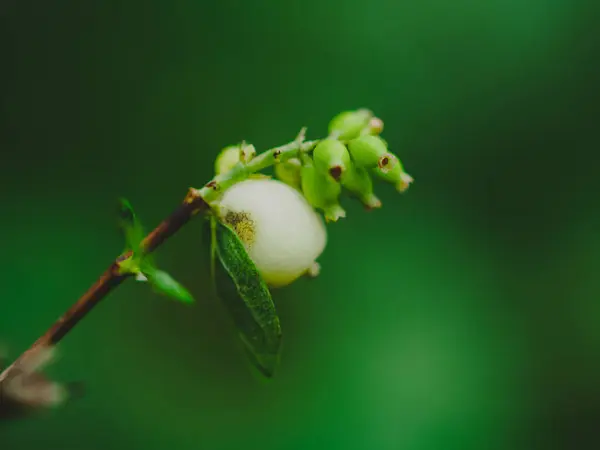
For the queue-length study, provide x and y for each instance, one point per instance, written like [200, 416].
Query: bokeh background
[463, 315]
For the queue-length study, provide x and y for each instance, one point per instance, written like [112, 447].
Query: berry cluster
[347, 159]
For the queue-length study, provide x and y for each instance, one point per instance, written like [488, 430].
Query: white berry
[282, 233]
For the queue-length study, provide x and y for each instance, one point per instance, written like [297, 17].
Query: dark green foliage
[140, 263]
[247, 299]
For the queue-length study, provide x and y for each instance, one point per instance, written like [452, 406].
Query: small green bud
[358, 181]
[374, 127]
[331, 157]
[228, 158]
[350, 124]
[289, 172]
[248, 152]
[396, 175]
[371, 151]
[322, 192]
[232, 155]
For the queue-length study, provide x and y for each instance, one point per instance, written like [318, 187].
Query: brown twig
[111, 278]
[197, 200]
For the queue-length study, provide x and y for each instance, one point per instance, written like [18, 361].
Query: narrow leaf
[163, 283]
[130, 225]
[248, 301]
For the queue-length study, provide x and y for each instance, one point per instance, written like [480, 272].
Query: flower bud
[350, 124]
[331, 157]
[396, 175]
[371, 151]
[289, 172]
[358, 181]
[232, 155]
[322, 192]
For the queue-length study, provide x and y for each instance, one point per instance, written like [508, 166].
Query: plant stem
[211, 191]
[196, 201]
[111, 278]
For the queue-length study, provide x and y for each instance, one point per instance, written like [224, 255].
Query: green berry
[396, 175]
[232, 155]
[375, 126]
[358, 181]
[371, 151]
[350, 124]
[331, 157]
[289, 172]
[322, 192]
[228, 158]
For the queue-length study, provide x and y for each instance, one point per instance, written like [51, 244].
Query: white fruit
[282, 233]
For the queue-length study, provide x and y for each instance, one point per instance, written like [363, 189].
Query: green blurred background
[463, 315]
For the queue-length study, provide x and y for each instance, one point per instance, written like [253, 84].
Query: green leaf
[248, 301]
[130, 225]
[163, 283]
